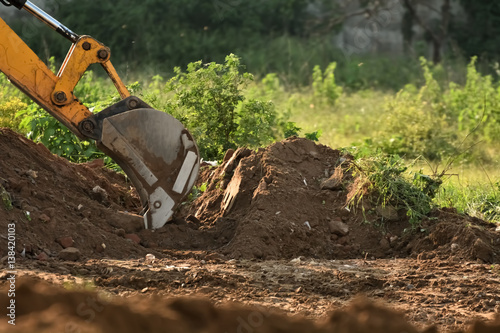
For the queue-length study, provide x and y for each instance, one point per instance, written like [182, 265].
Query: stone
[127, 221]
[454, 247]
[44, 218]
[42, 256]
[389, 213]
[120, 232]
[384, 244]
[483, 251]
[334, 183]
[99, 248]
[150, 244]
[338, 227]
[99, 194]
[70, 254]
[134, 238]
[66, 242]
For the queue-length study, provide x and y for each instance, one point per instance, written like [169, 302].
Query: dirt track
[244, 240]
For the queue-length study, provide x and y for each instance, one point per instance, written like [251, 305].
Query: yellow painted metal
[54, 92]
[85, 52]
[25, 70]
[122, 90]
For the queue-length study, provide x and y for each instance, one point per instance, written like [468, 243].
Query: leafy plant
[415, 124]
[8, 112]
[478, 102]
[196, 192]
[6, 198]
[290, 128]
[314, 136]
[209, 100]
[386, 181]
[324, 85]
[40, 126]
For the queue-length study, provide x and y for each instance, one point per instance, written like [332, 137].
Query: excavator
[154, 149]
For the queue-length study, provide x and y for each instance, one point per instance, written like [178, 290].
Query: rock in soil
[66, 242]
[70, 254]
[338, 227]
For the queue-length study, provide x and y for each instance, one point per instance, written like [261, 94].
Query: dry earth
[268, 247]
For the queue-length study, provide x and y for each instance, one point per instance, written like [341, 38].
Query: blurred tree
[480, 33]
[437, 33]
[168, 33]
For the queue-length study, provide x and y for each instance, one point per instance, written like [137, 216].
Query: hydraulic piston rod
[44, 17]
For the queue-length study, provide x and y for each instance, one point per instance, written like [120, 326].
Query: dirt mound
[56, 204]
[285, 201]
[289, 200]
[45, 308]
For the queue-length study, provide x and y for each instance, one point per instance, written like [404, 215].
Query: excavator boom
[154, 149]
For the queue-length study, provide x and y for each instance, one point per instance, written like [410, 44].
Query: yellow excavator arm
[154, 149]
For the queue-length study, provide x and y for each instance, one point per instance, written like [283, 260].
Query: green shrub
[442, 123]
[8, 112]
[476, 106]
[415, 122]
[324, 85]
[210, 101]
[39, 126]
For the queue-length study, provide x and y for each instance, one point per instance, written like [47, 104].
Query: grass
[350, 120]
[473, 190]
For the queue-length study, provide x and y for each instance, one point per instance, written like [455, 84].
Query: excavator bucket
[154, 149]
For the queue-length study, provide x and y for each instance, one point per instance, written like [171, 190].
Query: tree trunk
[436, 51]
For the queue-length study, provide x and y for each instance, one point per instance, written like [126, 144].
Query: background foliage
[289, 79]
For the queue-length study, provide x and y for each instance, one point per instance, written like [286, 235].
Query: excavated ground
[268, 247]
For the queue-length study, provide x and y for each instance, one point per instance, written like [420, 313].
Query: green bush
[210, 101]
[476, 106]
[39, 126]
[8, 110]
[440, 123]
[415, 122]
[324, 86]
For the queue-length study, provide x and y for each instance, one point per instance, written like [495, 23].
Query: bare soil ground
[268, 247]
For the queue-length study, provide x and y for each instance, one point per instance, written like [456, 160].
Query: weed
[196, 192]
[324, 86]
[6, 198]
[387, 181]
